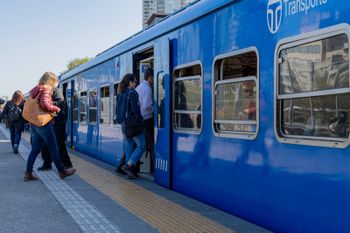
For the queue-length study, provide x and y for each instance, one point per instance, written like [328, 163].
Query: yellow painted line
[159, 212]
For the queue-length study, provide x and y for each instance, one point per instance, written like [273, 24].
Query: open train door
[67, 90]
[162, 108]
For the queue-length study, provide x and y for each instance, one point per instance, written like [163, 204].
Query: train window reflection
[188, 98]
[83, 107]
[235, 95]
[75, 107]
[321, 116]
[104, 106]
[315, 66]
[313, 96]
[93, 107]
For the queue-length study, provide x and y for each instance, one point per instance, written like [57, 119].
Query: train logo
[274, 15]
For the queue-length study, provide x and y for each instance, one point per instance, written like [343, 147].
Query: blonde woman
[45, 134]
[13, 113]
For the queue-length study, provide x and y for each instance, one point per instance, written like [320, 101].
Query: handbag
[33, 113]
[133, 125]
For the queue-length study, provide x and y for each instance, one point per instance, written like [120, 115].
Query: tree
[76, 62]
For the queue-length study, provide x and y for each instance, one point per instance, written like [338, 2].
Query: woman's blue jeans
[134, 147]
[39, 136]
[15, 134]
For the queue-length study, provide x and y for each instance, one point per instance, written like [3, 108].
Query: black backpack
[14, 113]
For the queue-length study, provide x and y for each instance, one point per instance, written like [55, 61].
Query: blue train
[252, 104]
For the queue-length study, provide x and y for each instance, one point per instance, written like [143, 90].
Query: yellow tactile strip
[162, 214]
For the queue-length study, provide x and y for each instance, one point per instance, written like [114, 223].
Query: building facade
[161, 7]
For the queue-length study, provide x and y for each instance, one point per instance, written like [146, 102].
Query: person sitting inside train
[339, 124]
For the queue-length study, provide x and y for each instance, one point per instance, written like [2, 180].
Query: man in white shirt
[146, 105]
[145, 95]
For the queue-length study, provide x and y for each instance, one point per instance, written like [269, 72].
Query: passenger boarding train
[252, 107]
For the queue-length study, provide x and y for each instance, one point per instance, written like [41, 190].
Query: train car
[252, 104]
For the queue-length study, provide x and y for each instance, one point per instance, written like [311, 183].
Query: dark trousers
[39, 137]
[149, 129]
[60, 132]
[16, 135]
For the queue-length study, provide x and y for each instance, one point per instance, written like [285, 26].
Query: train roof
[176, 20]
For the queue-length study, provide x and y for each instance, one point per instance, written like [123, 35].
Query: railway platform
[98, 200]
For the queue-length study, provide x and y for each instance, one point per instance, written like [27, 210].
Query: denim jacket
[122, 104]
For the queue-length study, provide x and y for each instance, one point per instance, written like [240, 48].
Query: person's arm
[46, 101]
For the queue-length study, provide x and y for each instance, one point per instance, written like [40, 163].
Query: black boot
[121, 164]
[45, 167]
[15, 148]
[130, 170]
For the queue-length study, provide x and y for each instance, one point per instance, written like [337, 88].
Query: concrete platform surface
[98, 200]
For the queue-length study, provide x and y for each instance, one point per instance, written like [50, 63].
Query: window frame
[77, 94]
[186, 130]
[86, 113]
[99, 107]
[160, 75]
[216, 81]
[114, 101]
[296, 41]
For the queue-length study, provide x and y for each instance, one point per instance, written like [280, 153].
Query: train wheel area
[98, 200]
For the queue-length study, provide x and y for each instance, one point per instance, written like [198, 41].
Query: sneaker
[129, 170]
[44, 168]
[135, 171]
[66, 172]
[28, 176]
[15, 149]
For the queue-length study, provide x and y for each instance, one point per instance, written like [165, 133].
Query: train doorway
[142, 61]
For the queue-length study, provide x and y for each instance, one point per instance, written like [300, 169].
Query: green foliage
[76, 62]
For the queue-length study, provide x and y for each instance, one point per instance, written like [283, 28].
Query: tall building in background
[154, 10]
[148, 8]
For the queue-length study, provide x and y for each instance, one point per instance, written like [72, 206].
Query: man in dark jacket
[60, 132]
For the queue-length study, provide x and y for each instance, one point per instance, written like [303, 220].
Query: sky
[41, 35]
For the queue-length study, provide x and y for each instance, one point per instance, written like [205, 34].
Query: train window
[187, 101]
[75, 107]
[104, 106]
[115, 93]
[93, 106]
[83, 107]
[313, 89]
[236, 95]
